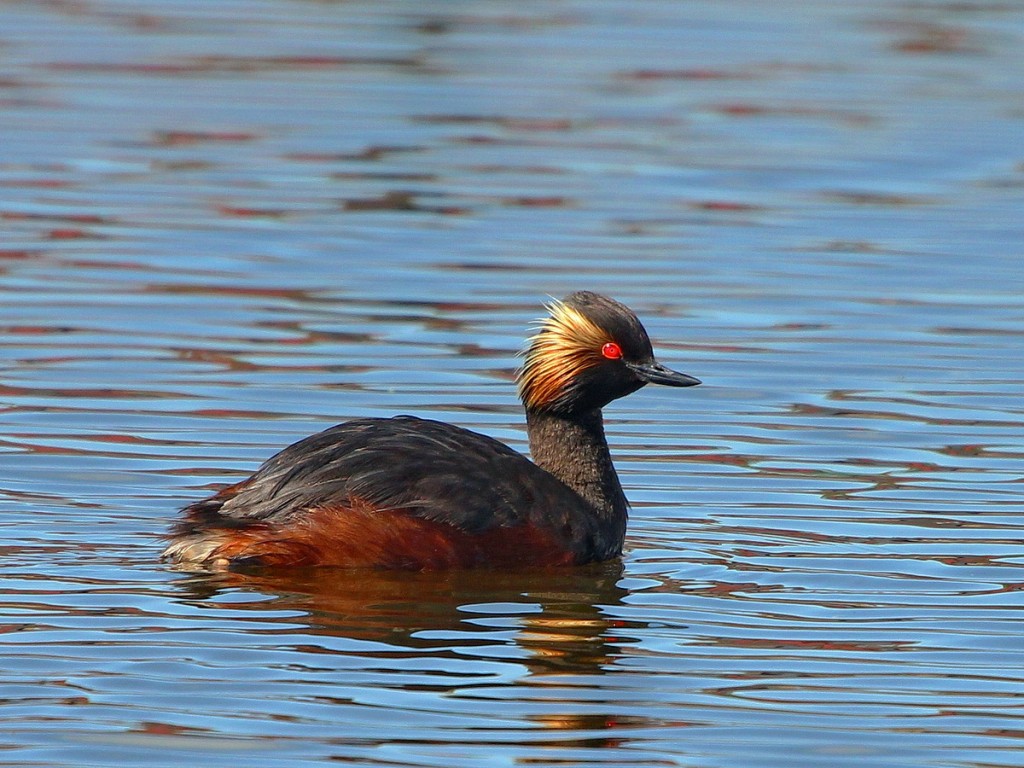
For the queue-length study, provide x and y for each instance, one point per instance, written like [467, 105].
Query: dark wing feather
[426, 468]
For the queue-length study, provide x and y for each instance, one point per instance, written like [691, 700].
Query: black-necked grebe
[410, 493]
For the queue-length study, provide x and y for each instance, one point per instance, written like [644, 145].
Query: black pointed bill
[656, 373]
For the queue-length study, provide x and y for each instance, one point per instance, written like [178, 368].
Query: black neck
[574, 450]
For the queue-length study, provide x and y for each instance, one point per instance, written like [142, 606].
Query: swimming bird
[411, 493]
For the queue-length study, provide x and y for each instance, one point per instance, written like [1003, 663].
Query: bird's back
[399, 492]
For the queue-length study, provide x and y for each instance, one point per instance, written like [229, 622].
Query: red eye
[612, 351]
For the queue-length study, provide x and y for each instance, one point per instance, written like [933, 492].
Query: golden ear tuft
[566, 344]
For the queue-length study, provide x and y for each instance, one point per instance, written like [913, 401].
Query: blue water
[228, 225]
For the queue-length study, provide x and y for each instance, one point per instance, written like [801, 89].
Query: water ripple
[226, 228]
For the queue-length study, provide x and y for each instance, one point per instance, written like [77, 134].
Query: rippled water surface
[227, 225]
